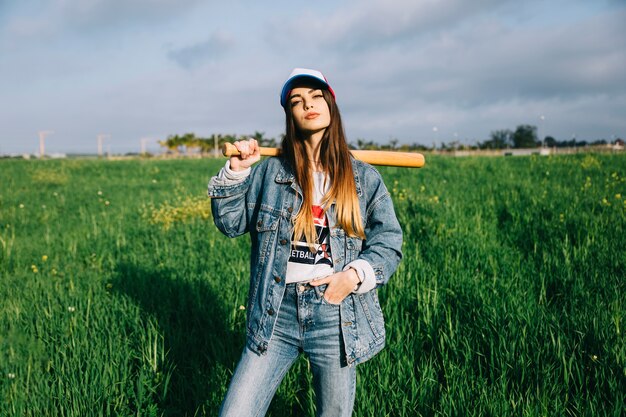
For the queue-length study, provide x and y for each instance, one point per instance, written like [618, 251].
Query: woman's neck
[312, 144]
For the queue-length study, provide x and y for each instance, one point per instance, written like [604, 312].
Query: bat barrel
[391, 158]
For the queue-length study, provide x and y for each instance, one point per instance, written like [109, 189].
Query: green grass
[120, 297]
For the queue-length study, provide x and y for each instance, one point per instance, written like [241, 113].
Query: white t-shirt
[303, 264]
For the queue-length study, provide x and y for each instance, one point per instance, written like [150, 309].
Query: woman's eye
[295, 103]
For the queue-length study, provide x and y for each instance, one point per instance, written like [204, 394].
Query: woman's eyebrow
[300, 95]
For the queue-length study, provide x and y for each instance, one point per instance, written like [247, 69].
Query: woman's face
[309, 109]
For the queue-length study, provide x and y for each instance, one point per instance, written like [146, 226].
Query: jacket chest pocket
[266, 226]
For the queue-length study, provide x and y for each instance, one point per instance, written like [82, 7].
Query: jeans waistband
[306, 284]
[302, 286]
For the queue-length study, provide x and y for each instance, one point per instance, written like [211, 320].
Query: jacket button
[277, 279]
[290, 209]
[283, 241]
[259, 223]
[270, 312]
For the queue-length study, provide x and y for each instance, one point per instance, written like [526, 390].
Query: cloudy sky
[137, 69]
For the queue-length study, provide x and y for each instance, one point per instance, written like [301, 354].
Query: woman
[324, 235]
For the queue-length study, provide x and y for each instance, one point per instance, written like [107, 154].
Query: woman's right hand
[249, 153]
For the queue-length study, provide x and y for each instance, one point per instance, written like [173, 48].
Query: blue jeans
[306, 323]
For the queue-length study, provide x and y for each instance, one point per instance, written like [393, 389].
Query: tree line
[189, 143]
[524, 136]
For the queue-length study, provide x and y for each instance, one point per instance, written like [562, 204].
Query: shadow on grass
[200, 346]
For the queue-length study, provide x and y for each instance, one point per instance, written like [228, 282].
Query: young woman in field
[324, 235]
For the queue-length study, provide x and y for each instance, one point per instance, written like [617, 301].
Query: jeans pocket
[324, 301]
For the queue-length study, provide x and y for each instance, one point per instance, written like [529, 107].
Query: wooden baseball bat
[386, 158]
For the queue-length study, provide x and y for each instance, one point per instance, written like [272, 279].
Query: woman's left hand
[340, 285]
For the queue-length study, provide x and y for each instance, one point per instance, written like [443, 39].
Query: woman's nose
[307, 105]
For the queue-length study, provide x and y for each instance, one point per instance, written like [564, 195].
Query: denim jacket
[265, 204]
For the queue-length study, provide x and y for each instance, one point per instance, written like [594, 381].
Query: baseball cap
[299, 74]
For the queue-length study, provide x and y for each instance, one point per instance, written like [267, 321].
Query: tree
[190, 141]
[206, 145]
[550, 142]
[172, 143]
[263, 141]
[525, 136]
[499, 139]
[363, 144]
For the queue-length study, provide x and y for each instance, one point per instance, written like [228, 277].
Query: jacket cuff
[228, 182]
[235, 176]
[366, 274]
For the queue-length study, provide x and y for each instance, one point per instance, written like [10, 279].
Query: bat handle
[228, 150]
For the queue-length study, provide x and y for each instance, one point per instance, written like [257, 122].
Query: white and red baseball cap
[299, 74]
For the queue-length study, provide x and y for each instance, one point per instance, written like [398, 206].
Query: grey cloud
[83, 13]
[218, 44]
[91, 16]
[365, 25]
[581, 59]
[492, 62]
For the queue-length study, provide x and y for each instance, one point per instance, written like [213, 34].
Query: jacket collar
[285, 173]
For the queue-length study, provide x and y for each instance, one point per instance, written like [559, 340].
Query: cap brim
[302, 79]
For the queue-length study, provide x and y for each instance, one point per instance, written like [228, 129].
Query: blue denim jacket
[265, 204]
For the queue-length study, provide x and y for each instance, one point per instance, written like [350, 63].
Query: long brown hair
[336, 163]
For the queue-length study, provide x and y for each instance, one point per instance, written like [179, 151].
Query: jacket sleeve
[228, 203]
[382, 247]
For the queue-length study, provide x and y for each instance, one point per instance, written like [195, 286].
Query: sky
[420, 71]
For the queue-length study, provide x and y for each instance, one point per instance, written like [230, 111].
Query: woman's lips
[311, 115]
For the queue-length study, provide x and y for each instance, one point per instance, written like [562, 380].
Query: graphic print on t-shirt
[301, 253]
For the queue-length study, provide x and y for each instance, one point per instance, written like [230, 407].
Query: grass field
[119, 297]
